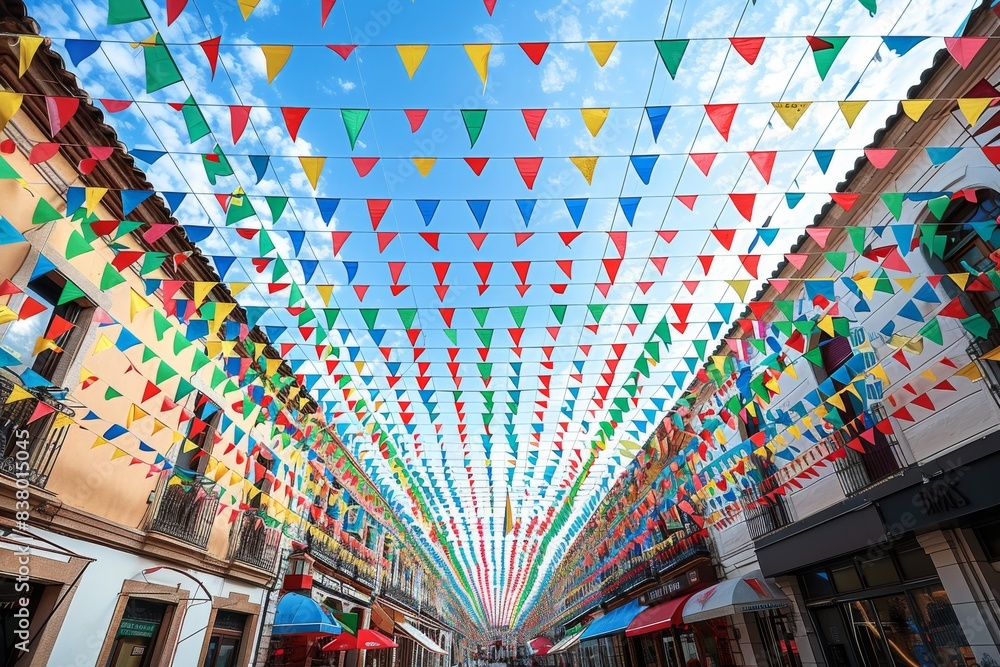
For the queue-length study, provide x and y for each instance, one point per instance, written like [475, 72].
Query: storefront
[658, 636]
[302, 627]
[603, 642]
[885, 606]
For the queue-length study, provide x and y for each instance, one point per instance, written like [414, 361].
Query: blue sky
[567, 80]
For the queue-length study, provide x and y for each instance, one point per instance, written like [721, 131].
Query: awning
[540, 646]
[749, 593]
[612, 623]
[298, 614]
[365, 640]
[419, 637]
[383, 620]
[566, 643]
[660, 617]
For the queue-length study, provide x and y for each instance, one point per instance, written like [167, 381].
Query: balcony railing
[400, 595]
[764, 510]
[333, 560]
[859, 470]
[184, 508]
[681, 547]
[252, 542]
[40, 440]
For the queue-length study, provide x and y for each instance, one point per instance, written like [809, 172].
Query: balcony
[334, 561]
[184, 508]
[399, 594]
[252, 542]
[679, 548]
[626, 580]
[867, 463]
[41, 439]
[764, 510]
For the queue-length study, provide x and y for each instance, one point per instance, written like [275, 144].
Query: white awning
[566, 643]
[419, 637]
[748, 593]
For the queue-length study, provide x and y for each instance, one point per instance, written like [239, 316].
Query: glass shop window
[138, 633]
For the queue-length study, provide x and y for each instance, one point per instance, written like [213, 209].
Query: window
[989, 538]
[138, 633]
[227, 636]
[57, 322]
[201, 432]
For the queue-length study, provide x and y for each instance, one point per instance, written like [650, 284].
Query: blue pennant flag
[576, 207]
[352, 270]
[643, 165]
[308, 268]
[901, 45]
[792, 199]
[296, 236]
[629, 206]
[222, 264]
[327, 207]
[198, 233]
[174, 200]
[526, 207]
[81, 49]
[428, 207]
[259, 164]
[656, 117]
[823, 158]
[479, 208]
[131, 199]
[147, 155]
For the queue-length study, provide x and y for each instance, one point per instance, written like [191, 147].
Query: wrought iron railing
[681, 547]
[252, 542]
[882, 458]
[399, 594]
[184, 507]
[764, 510]
[988, 368]
[36, 442]
[362, 575]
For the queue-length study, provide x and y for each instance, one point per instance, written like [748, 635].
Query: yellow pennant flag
[791, 112]
[103, 343]
[970, 372]
[508, 518]
[201, 290]
[586, 165]
[92, 198]
[740, 287]
[43, 344]
[237, 287]
[313, 166]
[424, 164]
[27, 45]
[18, 394]
[973, 107]
[906, 283]
[960, 280]
[118, 453]
[7, 315]
[9, 105]
[275, 56]
[412, 55]
[479, 54]
[325, 291]
[135, 413]
[602, 51]
[914, 109]
[136, 304]
[247, 7]
[851, 109]
[594, 119]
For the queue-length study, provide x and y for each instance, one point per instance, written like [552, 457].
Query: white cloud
[346, 85]
[558, 73]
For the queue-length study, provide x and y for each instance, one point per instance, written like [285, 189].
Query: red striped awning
[660, 617]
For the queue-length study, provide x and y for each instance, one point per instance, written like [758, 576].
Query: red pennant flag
[521, 237]
[721, 116]
[431, 238]
[569, 237]
[61, 110]
[239, 116]
[688, 200]
[750, 263]
[384, 239]
[703, 161]
[293, 119]
[534, 50]
[396, 270]
[342, 50]
[744, 204]
[477, 164]
[566, 265]
[725, 237]
[174, 9]
[377, 209]
[42, 152]
[41, 410]
[880, 157]
[326, 6]
[521, 268]
[477, 239]
[819, 234]
[620, 241]
[706, 262]
[364, 165]
[483, 269]
[490, 6]
[211, 49]
[964, 49]
[659, 263]
[528, 168]
[415, 117]
[845, 199]
[533, 119]
[747, 47]
[764, 161]
[954, 309]
[116, 106]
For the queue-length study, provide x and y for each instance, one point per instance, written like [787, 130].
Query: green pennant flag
[44, 213]
[870, 5]
[481, 314]
[369, 315]
[838, 260]
[485, 369]
[110, 393]
[7, 171]
[194, 120]
[642, 365]
[700, 348]
[76, 245]
[240, 208]
[652, 348]
[184, 389]
[639, 310]
[825, 55]
[485, 336]
[126, 227]
[110, 278]
[474, 120]
[151, 261]
[161, 70]
[70, 292]
[559, 312]
[672, 52]
[216, 164]
[815, 357]
[180, 342]
[939, 205]
[164, 373]
[894, 202]
[126, 11]
[161, 325]
[406, 317]
[354, 120]
[517, 313]
[597, 311]
[277, 206]
[857, 236]
[147, 354]
[280, 268]
[663, 331]
[452, 335]
[932, 331]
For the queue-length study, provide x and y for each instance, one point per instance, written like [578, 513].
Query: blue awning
[612, 623]
[298, 614]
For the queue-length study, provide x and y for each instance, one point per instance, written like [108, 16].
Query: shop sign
[763, 606]
[129, 628]
[336, 586]
[673, 587]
